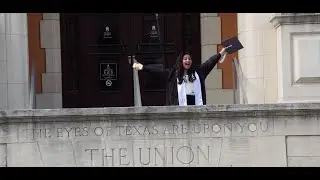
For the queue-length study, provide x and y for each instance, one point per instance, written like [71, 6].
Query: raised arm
[209, 64]
[152, 68]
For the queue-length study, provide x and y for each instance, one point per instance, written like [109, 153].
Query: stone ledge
[295, 18]
[161, 112]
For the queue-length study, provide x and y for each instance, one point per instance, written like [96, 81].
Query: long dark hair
[180, 69]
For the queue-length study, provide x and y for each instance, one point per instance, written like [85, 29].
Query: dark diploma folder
[233, 45]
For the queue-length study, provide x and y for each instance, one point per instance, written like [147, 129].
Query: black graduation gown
[171, 88]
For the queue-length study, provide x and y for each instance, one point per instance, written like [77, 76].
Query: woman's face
[186, 61]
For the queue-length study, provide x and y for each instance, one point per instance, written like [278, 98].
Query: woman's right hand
[223, 51]
[137, 66]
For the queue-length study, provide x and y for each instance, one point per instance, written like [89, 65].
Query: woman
[186, 83]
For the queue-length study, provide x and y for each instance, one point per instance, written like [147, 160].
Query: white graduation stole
[182, 96]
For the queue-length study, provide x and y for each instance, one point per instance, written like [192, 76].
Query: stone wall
[215, 135]
[298, 42]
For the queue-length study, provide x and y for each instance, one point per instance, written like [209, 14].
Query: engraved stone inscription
[151, 156]
[135, 143]
[151, 136]
[157, 130]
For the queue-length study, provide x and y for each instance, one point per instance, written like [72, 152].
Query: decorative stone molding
[295, 18]
[298, 41]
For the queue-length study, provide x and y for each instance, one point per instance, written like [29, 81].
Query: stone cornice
[160, 112]
[295, 18]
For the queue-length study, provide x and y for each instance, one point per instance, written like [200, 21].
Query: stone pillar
[210, 38]
[298, 46]
[258, 58]
[51, 96]
[14, 61]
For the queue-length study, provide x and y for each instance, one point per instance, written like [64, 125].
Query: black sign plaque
[108, 76]
[108, 71]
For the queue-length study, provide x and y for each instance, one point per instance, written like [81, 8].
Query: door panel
[154, 48]
[101, 57]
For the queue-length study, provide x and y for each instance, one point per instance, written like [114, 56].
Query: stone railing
[217, 135]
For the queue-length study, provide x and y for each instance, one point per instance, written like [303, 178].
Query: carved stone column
[14, 61]
[257, 59]
[298, 56]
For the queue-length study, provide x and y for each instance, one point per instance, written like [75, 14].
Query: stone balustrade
[215, 135]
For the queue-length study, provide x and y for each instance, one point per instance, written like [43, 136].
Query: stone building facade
[279, 62]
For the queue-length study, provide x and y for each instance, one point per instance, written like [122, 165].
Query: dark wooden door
[96, 72]
[96, 48]
[178, 32]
